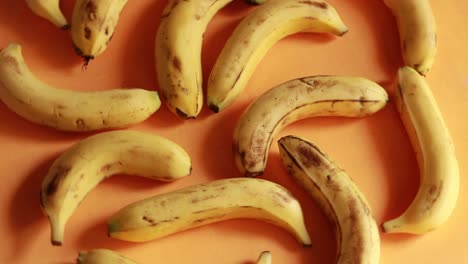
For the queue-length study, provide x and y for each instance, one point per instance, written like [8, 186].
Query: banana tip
[253, 174]
[183, 114]
[57, 243]
[214, 108]
[343, 32]
[86, 60]
[65, 27]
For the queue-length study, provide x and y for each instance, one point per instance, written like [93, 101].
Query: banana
[264, 258]
[339, 198]
[82, 167]
[215, 201]
[50, 10]
[295, 100]
[178, 49]
[93, 25]
[418, 32]
[256, 33]
[66, 110]
[439, 173]
[102, 256]
[255, 2]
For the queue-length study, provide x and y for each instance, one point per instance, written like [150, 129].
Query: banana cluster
[177, 54]
[179, 43]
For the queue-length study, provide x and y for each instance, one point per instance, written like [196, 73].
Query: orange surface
[375, 151]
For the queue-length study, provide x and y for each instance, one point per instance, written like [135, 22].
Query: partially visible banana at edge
[339, 198]
[93, 26]
[106, 256]
[211, 202]
[102, 256]
[439, 172]
[178, 48]
[84, 165]
[49, 10]
[253, 37]
[264, 258]
[297, 99]
[40, 103]
[418, 32]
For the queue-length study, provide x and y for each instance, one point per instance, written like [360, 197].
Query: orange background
[375, 151]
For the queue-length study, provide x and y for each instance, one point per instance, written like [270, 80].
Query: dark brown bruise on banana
[318, 4]
[59, 175]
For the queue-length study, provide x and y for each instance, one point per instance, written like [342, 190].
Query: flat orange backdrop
[375, 151]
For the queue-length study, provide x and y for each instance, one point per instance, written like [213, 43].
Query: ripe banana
[178, 53]
[252, 38]
[418, 33]
[102, 256]
[295, 100]
[264, 258]
[212, 202]
[93, 25]
[82, 167]
[439, 172]
[67, 110]
[339, 198]
[50, 10]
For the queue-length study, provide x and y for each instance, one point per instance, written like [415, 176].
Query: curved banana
[295, 100]
[49, 10]
[93, 25]
[102, 256]
[252, 38]
[439, 185]
[42, 104]
[339, 198]
[264, 258]
[211, 202]
[82, 167]
[178, 49]
[418, 32]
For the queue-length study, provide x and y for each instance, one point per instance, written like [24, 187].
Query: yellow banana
[93, 25]
[418, 32]
[252, 38]
[339, 198]
[50, 10]
[212, 202]
[67, 110]
[264, 258]
[82, 167]
[439, 172]
[102, 256]
[295, 100]
[178, 53]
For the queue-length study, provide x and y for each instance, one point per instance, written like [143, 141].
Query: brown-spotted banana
[339, 198]
[215, 201]
[418, 32]
[93, 25]
[49, 10]
[294, 100]
[264, 258]
[435, 152]
[83, 166]
[178, 49]
[40, 103]
[253, 37]
[102, 256]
